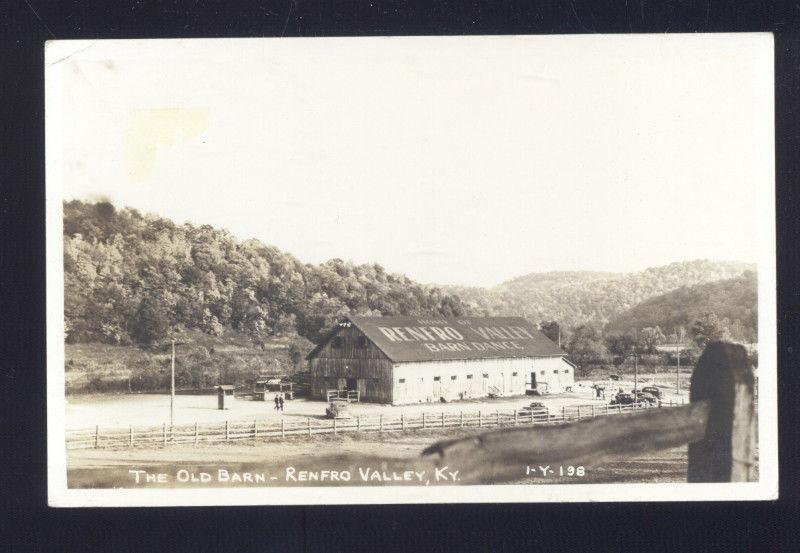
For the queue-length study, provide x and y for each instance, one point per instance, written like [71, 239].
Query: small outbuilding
[225, 395]
[402, 360]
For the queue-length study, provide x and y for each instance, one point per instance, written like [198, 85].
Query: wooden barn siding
[349, 361]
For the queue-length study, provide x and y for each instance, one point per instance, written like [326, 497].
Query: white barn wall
[419, 385]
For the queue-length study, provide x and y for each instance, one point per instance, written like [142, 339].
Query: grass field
[104, 468]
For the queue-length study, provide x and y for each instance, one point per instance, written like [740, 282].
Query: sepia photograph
[411, 270]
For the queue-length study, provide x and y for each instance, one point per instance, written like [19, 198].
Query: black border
[30, 525]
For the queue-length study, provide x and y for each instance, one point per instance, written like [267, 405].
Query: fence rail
[230, 431]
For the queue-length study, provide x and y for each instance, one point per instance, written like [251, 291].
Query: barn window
[541, 372]
[566, 371]
[513, 374]
[453, 377]
[337, 342]
[555, 371]
[361, 342]
[402, 381]
[485, 375]
[437, 378]
[469, 377]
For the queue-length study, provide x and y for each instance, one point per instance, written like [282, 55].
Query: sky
[454, 160]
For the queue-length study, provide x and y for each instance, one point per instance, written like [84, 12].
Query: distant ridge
[575, 297]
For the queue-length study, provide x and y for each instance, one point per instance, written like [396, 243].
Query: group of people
[279, 402]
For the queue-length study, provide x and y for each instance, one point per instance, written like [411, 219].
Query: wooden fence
[229, 431]
[719, 424]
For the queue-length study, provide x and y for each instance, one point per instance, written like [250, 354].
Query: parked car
[647, 398]
[338, 410]
[628, 399]
[652, 390]
[534, 408]
[614, 377]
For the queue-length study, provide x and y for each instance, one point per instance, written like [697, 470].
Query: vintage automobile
[647, 397]
[652, 390]
[628, 399]
[534, 408]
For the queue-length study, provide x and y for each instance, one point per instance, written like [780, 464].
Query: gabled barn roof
[409, 339]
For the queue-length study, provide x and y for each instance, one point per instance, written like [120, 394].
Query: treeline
[590, 346]
[133, 279]
[734, 301]
[596, 298]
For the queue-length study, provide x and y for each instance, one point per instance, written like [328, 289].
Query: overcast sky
[453, 160]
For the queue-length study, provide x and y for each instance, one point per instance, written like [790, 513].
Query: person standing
[280, 401]
[277, 403]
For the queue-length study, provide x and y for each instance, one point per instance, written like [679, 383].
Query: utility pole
[172, 389]
[678, 370]
[635, 364]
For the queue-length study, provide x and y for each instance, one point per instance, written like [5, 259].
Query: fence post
[402, 422]
[497, 417]
[564, 413]
[461, 419]
[283, 427]
[515, 416]
[380, 422]
[619, 408]
[308, 421]
[480, 419]
[358, 422]
[130, 442]
[255, 429]
[196, 434]
[579, 412]
[423, 419]
[727, 453]
[442, 419]
[548, 416]
[227, 431]
[97, 436]
[334, 426]
[592, 410]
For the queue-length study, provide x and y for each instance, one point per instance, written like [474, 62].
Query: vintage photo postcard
[411, 270]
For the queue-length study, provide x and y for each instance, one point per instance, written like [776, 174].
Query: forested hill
[733, 301]
[133, 278]
[573, 298]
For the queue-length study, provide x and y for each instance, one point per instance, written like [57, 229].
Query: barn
[402, 360]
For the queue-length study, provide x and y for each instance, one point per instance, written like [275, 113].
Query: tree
[295, 354]
[649, 338]
[707, 328]
[585, 346]
[151, 323]
[620, 346]
[552, 330]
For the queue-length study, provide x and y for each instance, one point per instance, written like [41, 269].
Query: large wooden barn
[401, 360]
